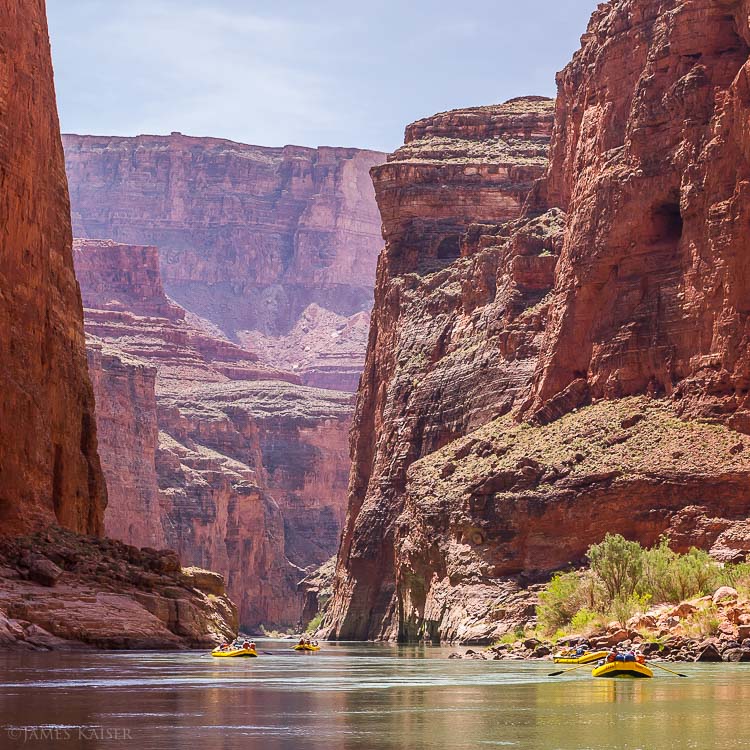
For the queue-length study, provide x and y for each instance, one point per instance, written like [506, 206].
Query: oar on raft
[658, 666]
[565, 671]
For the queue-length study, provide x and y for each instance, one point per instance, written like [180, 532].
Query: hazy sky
[309, 72]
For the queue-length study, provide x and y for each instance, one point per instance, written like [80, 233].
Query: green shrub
[585, 621]
[559, 602]
[625, 607]
[619, 565]
[315, 623]
[625, 578]
[510, 638]
[694, 574]
[656, 580]
[737, 576]
[670, 577]
[703, 623]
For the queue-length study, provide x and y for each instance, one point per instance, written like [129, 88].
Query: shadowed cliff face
[49, 467]
[64, 587]
[274, 246]
[206, 450]
[623, 407]
[452, 338]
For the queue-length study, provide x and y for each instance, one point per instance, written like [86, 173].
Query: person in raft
[615, 655]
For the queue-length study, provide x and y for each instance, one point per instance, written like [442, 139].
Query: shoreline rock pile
[64, 591]
[706, 629]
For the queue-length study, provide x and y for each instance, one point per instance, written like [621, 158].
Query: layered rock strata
[630, 413]
[256, 240]
[49, 467]
[128, 441]
[206, 449]
[61, 591]
[459, 316]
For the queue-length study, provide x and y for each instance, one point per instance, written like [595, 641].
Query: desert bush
[586, 621]
[693, 574]
[671, 577]
[625, 578]
[625, 607]
[619, 565]
[559, 601]
[703, 623]
[737, 576]
[315, 623]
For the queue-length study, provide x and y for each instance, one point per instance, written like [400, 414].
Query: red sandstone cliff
[650, 160]
[205, 448]
[128, 440]
[49, 467]
[452, 338]
[624, 406]
[66, 587]
[274, 246]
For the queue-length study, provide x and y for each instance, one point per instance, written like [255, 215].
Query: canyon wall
[208, 451]
[63, 586]
[49, 467]
[619, 399]
[274, 246]
[456, 324]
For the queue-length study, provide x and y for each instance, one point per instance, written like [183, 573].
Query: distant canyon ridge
[275, 247]
[227, 292]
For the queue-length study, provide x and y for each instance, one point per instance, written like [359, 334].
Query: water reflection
[363, 698]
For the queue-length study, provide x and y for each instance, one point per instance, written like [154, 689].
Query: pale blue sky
[323, 72]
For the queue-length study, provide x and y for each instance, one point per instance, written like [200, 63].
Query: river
[358, 697]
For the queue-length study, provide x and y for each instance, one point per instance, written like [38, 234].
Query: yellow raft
[586, 658]
[306, 647]
[234, 652]
[622, 669]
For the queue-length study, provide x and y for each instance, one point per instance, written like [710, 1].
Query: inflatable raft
[622, 669]
[228, 652]
[306, 647]
[587, 658]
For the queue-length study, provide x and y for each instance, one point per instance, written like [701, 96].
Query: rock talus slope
[205, 448]
[630, 412]
[49, 467]
[256, 240]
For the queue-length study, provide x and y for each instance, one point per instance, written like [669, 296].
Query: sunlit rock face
[49, 466]
[623, 405]
[649, 160]
[274, 246]
[208, 451]
[459, 311]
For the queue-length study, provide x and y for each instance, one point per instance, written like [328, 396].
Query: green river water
[358, 697]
